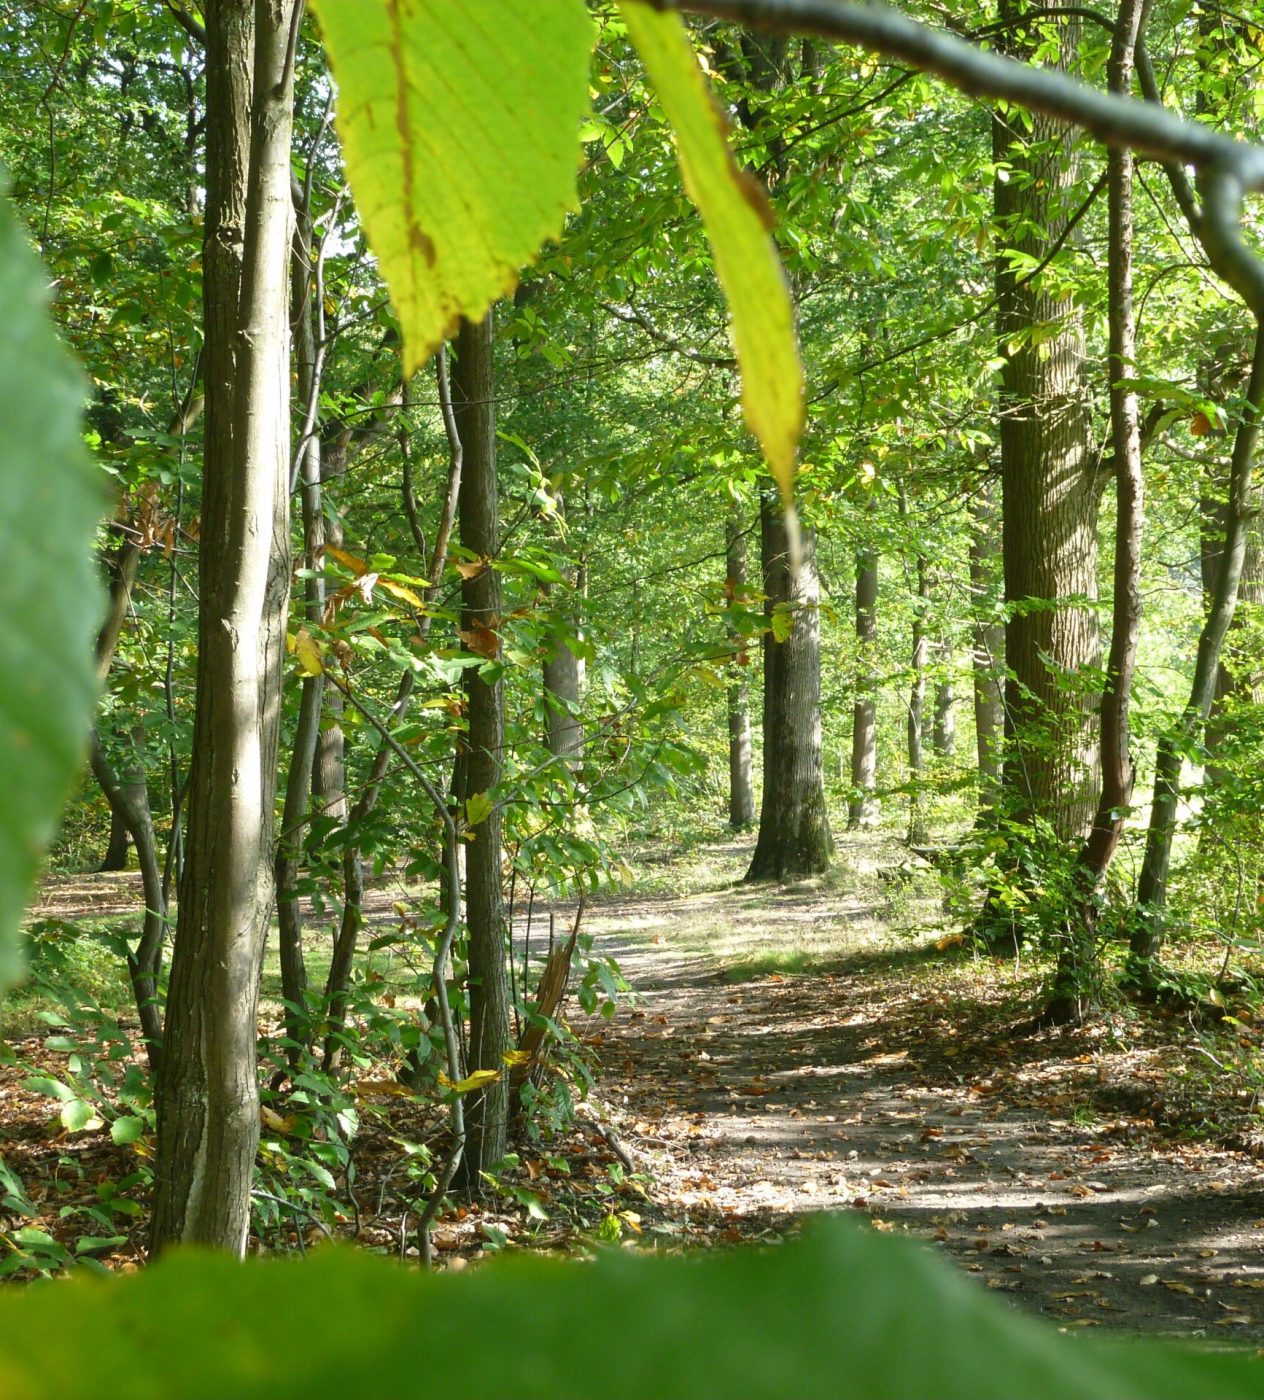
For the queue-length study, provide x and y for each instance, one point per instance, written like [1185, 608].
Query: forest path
[901, 1085]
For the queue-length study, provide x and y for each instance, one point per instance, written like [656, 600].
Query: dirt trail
[896, 1086]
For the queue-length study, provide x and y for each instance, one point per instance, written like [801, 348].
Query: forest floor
[821, 1046]
[790, 1054]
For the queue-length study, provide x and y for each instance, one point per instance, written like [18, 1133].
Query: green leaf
[49, 595]
[843, 1313]
[77, 1115]
[460, 130]
[126, 1130]
[478, 807]
[738, 222]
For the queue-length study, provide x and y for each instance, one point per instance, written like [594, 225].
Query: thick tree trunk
[473, 398]
[987, 644]
[741, 784]
[862, 809]
[794, 834]
[1075, 988]
[208, 1091]
[1050, 486]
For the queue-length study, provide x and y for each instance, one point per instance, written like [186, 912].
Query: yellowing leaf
[738, 221]
[460, 132]
[307, 650]
[516, 1057]
[469, 568]
[398, 590]
[351, 562]
[477, 808]
[479, 1079]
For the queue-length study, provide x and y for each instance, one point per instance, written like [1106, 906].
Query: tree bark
[208, 1091]
[794, 833]
[1075, 987]
[473, 399]
[987, 644]
[1146, 939]
[917, 708]
[562, 677]
[1050, 487]
[944, 732]
[741, 784]
[862, 809]
[298, 782]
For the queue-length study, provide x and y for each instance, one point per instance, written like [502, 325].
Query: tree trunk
[298, 782]
[1075, 987]
[1147, 933]
[1050, 489]
[917, 709]
[862, 809]
[562, 677]
[987, 644]
[473, 398]
[944, 733]
[794, 834]
[741, 785]
[208, 1091]
[129, 803]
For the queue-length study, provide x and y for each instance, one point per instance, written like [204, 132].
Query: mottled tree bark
[1146, 939]
[987, 644]
[862, 809]
[741, 783]
[1075, 988]
[1049, 479]
[474, 402]
[794, 834]
[917, 708]
[207, 1091]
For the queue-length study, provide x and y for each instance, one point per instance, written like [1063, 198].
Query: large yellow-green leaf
[49, 597]
[738, 222]
[460, 129]
[844, 1315]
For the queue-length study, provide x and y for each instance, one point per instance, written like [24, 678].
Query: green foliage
[460, 130]
[48, 596]
[739, 222]
[840, 1313]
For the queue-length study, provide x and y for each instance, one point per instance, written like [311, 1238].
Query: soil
[907, 1086]
[790, 1051]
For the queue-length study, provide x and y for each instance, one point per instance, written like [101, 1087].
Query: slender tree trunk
[1235, 682]
[741, 785]
[329, 762]
[208, 1091]
[1075, 989]
[944, 733]
[473, 398]
[917, 709]
[298, 783]
[130, 803]
[1050, 488]
[1147, 934]
[562, 676]
[862, 809]
[794, 834]
[987, 644]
